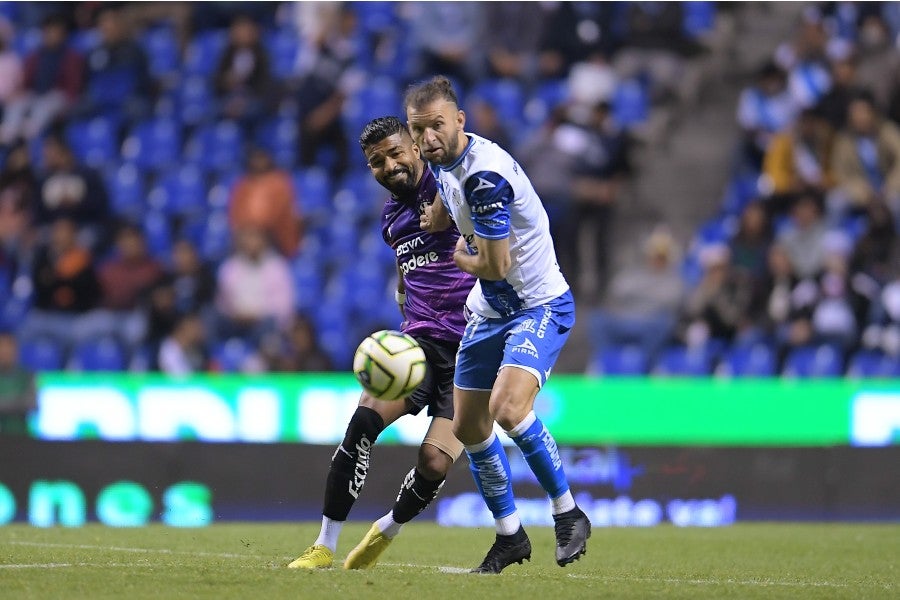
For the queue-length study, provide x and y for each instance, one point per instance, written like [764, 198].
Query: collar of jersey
[462, 155]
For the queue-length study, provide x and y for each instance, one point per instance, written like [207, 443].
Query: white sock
[328, 535]
[523, 426]
[482, 445]
[563, 503]
[508, 525]
[388, 526]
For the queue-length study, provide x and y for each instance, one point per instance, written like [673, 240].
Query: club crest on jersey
[483, 184]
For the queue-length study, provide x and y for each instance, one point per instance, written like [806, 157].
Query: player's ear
[416, 150]
[461, 118]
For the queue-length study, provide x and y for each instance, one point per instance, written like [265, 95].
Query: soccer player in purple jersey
[431, 294]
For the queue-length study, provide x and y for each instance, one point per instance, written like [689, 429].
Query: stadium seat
[333, 325]
[163, 54]
[194, 100]
[203, 52]
[359, 196]
[698, 18]
[158, 233]
[813, 361]
[26, 41]
[41, 355]
[683, 361]
[283, 46]
[232, 355]
[872, 363]
[625, 360]
[104, 354]
[181, 192]
[754, 360]
[217, 147]
[505, 95]
[631, 103]
[94, 142]
[216, 237]
[314, 193]
[125, 185]
[154, 145]
[717, 230]
[548, 96]
[308, 282]
[376, 99]
[279, 137]
[375, 16]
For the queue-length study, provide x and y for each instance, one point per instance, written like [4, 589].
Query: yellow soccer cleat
[366, 553]
[315, 557]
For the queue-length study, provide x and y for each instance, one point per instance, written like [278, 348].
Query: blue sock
[490, 468]
[541, 454]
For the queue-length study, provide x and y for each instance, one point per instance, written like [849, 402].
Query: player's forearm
[481, 266]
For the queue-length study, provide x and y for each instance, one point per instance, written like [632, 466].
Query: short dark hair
[379, 129]
[438, 87]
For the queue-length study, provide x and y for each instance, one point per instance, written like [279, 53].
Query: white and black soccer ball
[389, 364]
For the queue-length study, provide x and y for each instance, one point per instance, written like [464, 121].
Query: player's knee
[433, 463]
[469, 433]
[507, 411]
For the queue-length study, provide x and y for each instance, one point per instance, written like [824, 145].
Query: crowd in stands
[180, 189]
[798, 273]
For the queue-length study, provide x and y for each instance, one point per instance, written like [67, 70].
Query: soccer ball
[389, 364]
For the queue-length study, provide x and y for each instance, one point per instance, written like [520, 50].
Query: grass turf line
[760, 560]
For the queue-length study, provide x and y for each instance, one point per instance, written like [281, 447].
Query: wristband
[400, 297]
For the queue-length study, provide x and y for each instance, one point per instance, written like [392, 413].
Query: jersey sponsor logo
[526, 347]
[483, 184]
[526, 325]
[481, 209]
[545, 320]
[421, 260]
[361, 468]
[410, 245]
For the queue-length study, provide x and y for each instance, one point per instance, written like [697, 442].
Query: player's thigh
[480, 353]
[389, 410]
[472, 421]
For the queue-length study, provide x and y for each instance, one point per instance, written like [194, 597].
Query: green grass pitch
[223, 561]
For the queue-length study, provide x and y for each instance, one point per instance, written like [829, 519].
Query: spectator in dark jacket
[243, 78]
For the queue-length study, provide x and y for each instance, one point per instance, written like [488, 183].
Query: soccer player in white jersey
[520, 313]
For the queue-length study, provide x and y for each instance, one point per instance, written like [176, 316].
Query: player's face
[437, 128]
[395, 163]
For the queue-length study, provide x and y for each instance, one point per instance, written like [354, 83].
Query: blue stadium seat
[217, 147]
[308, 282]
[376, 16]
[625, 360]
[181, 192]
[158, 233]
[506, 96]
[753, 360]
[104, 354]
[26, 41]
[41, 355]
[376, 99]
[163, 55]
[814, 361]
[194, 100]
[125, 185]
[333, 324]
[85, 40]
[717, 230]
[283, 46]
[698, 17]
[216, 237]
[359, 196]
[314, 193]
[872, 363]
[94, 141]
[154, 145]
[548, 96]
[203, 52]
[631, 103]
[279, 137]
[232, 355]
[683, 361]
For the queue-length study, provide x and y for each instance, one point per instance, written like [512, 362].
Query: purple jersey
[436, 290]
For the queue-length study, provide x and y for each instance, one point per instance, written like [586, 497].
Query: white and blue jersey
[489, 195]
[523, 320]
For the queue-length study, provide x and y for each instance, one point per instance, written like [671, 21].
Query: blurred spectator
[590, 82]
[65, 288]
[125, 280]
[789, 303]
[183, 351]
[866, 159]
[879, 61]
[255, 291]
[11, 72]
[804, 237]
[452, 49]
[301, 351]
[883, 332]
[72, 191]
[243, 79]
[717, 307]
[603, 166]
[53, 79]
[325, 78]
[798, 160]
[655, 47]
[550, 156]
[515, 31]
[845, 85]
[833, 319]
[875, 258]
[18, 200]
[764, 109]
[642, 303]
[749, 255]
[17, 389]
[572, 32]
[118, 82]
[162, 314]
[482, 119]
[265, 198]
[193, 282]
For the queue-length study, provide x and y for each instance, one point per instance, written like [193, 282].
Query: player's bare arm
[491, 261]
[435, 216]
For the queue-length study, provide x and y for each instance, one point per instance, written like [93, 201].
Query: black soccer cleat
[572, 531]
[507, 549]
